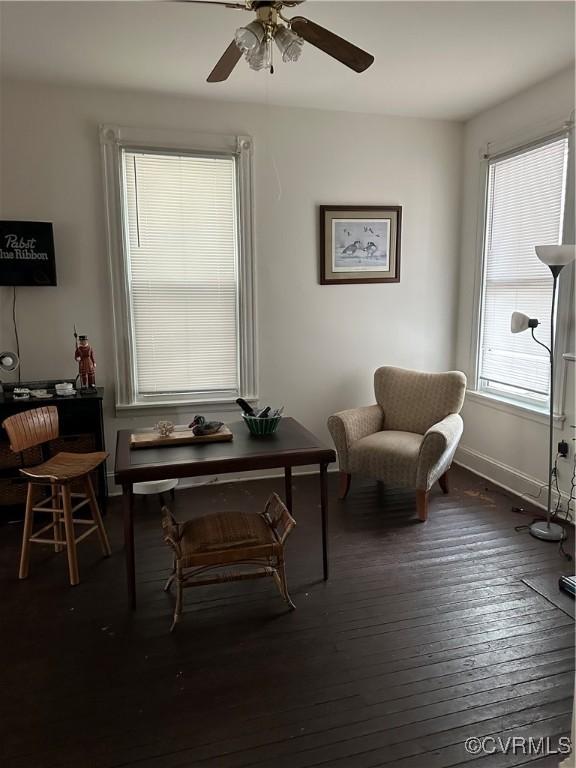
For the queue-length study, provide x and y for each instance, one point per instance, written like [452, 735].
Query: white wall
[318, 345]
[500, 443]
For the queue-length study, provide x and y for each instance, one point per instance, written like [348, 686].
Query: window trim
[565, 293]
[113, 141]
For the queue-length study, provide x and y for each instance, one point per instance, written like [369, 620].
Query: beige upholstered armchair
[408, 439]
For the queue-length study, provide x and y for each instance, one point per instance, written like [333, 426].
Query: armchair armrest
[346, 427]
[437, 450]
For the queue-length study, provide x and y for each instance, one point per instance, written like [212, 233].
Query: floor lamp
[555, 257]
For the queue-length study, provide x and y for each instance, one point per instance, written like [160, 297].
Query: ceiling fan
[255, 39]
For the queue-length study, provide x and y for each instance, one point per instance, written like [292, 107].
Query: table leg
[288, 487]
[324, 510]
[128, 509]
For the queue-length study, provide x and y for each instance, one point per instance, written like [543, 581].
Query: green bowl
[261, 427]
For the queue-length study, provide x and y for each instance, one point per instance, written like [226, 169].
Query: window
[524, 208]
[181, 267]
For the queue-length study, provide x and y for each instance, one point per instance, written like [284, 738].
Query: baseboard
[232, 477]
[506, 477]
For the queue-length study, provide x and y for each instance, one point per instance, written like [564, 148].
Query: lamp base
[547, 531]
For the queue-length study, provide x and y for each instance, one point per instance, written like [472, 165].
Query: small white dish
[40, 393]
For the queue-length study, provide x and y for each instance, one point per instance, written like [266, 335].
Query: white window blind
[525, 207]
[182, 272]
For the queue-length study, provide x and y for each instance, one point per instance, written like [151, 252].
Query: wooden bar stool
[34, 428]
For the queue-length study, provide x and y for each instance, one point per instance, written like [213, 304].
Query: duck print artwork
[360, 245]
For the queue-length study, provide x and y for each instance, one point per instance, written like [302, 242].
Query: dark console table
[81, 431]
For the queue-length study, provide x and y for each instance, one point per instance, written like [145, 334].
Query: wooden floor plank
[424, 635]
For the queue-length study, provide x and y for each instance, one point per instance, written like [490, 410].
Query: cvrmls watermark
[518, 745]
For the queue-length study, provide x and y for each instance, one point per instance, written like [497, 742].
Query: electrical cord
[562, 551]
[556, 516]
[567, 514]
[537, 495]
[569, 506]
[572, 495]
[17, 338]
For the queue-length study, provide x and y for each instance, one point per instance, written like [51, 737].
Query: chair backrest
[30, 428]
[413, 401]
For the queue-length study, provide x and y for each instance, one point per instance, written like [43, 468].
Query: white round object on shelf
[152, 487]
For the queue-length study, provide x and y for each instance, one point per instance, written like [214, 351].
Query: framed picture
[360, 244]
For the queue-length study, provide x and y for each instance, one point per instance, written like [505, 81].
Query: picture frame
[360, 244]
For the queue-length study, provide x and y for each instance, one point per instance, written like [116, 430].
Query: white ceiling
[433, 59]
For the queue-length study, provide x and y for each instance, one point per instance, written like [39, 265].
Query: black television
[27, 253]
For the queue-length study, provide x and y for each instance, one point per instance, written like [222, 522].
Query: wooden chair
[251, 543]
[34, 428]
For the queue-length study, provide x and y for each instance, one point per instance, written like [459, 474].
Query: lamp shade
[556, 255]
[520, 322]
[248, 38]
[289, 43]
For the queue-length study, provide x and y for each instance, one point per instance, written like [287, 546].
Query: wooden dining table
[292, 445]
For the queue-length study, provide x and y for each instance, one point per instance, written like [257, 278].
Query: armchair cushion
[391, 456]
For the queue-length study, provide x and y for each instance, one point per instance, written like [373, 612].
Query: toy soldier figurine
[84, 356]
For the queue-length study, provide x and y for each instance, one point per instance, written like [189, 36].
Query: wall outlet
[563, 448]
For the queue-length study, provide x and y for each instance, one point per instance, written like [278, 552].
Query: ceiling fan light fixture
[261, 57]
[250, 37]
[289, 43]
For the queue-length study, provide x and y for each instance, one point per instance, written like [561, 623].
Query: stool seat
[66, 466]
[226, 537]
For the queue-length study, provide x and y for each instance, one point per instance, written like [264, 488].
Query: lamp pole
[546, 529]
[551, 426]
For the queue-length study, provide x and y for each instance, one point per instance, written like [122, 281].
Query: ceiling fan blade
[237, 6]
[226, 64]
[332, 44]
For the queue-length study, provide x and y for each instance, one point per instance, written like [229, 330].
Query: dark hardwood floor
[424, 636]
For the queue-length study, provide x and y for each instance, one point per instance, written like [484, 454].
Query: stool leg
[179, 590]
[70, 538]
[28, 522]
[102, 535]
[171, 577]
[56, 518]
[283, 584]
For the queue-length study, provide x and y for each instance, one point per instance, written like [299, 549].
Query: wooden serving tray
[181, 436]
